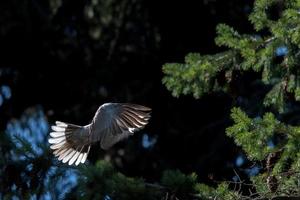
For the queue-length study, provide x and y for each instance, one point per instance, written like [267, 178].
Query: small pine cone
[270, 161]
[272, 183]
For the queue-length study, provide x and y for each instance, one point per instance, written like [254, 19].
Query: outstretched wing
[116, 121]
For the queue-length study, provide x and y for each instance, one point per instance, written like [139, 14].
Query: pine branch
[276, 58]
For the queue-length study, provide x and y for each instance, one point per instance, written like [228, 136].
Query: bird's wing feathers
[116, 121]
[69, 142]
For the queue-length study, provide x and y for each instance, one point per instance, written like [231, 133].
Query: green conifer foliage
[200, 74]
[111, 184]
[273, 54]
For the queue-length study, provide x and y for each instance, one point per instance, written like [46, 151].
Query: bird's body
[111, 123]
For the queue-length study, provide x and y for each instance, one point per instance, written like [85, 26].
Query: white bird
[111, 123]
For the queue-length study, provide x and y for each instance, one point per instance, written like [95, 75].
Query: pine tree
[271, 56]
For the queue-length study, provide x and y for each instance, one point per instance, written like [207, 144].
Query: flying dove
[111, 123]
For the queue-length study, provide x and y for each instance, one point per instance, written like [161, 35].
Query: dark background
[52, 57]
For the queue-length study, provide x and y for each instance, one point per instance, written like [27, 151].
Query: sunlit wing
[121, 120]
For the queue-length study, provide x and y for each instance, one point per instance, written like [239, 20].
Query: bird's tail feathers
[64, 141]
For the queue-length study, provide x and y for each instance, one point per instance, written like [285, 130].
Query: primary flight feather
[111, 123]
